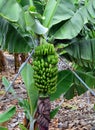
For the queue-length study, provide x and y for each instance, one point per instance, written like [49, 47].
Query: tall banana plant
[24, 24]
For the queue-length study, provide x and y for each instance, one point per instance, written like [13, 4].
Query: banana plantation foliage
[49, 30]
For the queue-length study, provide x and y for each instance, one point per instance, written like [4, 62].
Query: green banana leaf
[64, 82]
[12, 11]
[6, 83]
[27, 76]
[15, 34]
[88, 78]
[77, 87]
[3, 128]
[82, 52]
[57, 11]
[16, 16]
[12, 40]
[71, 27]
[5, 116]
[69, 85]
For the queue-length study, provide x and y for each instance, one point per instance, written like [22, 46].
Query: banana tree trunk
[43, 111]
[23, 57]
[2, 61]
[19, 58]
[16, 61]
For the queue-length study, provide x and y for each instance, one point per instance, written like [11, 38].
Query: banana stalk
[45, 76]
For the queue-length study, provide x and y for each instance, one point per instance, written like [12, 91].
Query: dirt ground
[75, 114]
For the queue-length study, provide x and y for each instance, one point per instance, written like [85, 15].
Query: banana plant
[25, 24]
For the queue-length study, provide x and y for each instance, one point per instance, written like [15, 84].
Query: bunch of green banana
[45, 68]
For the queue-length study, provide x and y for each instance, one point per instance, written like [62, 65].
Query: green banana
[45, 68]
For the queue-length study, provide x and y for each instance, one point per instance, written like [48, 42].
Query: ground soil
[75, 114]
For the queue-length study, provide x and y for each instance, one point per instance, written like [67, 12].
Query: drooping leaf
[83, 52]
[14, 14]
[27, 76]
[88, 78]
[12, 40]
[63, 83]
[59, 10]
[17, 43]
[64, 11]
[14, 30]
[69, 85]
[77, 86]
[5, 116]
[73, 26]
